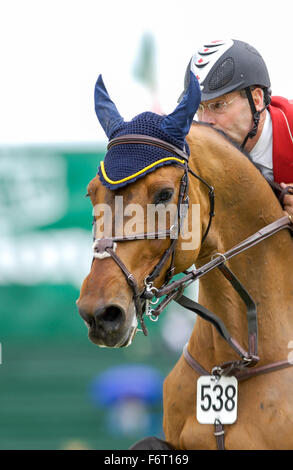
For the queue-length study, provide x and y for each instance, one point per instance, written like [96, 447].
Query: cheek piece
[255, 114]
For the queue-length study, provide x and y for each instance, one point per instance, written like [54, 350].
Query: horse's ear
[177, 124]
[106, 110]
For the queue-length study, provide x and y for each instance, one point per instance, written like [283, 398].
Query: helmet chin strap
[255, 115]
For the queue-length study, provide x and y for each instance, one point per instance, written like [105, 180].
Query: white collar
[262, 152]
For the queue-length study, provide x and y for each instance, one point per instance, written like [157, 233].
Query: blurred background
[58, 390]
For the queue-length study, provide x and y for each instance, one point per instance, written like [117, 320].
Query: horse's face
[106, 300]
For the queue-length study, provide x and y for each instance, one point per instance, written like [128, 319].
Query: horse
[124, 275]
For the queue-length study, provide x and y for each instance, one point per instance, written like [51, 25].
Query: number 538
[217, 399]
[223, 397]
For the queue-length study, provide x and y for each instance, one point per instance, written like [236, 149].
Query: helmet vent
[223, 74]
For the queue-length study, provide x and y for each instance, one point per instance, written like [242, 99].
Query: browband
[145, 139]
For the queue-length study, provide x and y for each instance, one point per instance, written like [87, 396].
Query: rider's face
[229, 113]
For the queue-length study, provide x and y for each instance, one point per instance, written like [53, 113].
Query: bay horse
[113, 295]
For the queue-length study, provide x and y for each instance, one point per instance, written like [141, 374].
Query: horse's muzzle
[108, 326]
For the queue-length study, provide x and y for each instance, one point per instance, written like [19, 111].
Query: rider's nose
[208, 117]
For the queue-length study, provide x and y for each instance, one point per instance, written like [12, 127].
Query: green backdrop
[47, 363]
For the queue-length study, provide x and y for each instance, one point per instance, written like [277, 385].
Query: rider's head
[235, 87]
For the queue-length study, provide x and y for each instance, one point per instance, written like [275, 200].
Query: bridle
[174, 290]
[106, 246]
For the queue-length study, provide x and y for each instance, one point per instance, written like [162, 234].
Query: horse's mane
[237, 146]
[274, 186]
[226, 136]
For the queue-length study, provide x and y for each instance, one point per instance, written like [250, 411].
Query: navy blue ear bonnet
[126, 162]
[136, 160]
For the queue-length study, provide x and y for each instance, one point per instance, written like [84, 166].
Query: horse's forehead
[144, 188]
[168, 175]
[139, 190]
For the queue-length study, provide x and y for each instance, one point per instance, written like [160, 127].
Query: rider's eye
[218, 105]
[163, 196]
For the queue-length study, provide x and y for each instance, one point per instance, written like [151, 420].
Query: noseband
[105, 247]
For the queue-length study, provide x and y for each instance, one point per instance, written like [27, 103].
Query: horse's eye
[163, 196]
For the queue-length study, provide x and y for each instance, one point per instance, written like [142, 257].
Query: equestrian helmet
[223, 66]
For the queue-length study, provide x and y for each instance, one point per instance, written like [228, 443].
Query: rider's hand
[288, 199]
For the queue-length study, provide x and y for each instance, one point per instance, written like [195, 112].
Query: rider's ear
[258, 98]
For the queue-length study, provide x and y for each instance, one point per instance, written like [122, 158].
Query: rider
[236, 99]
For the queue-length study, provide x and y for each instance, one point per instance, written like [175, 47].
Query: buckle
[250, 361]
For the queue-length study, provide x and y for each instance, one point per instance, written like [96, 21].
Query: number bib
[217, 399]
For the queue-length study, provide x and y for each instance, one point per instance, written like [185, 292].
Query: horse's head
[145, 173]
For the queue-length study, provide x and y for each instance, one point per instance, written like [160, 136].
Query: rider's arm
[288, 199]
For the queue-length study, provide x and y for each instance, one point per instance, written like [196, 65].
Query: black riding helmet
[225, 66]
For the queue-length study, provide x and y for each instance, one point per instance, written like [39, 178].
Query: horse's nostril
[111, 316]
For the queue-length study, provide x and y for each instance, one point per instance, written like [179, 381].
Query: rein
[250, 358]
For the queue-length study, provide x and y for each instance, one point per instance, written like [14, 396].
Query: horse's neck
[244, 204]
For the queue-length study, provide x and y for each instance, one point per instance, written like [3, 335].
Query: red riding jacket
[281, 111]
